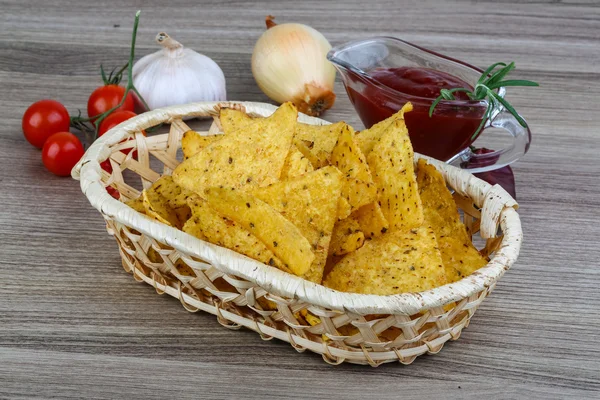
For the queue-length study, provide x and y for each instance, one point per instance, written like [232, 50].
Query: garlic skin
[177, 75]
[289, 63]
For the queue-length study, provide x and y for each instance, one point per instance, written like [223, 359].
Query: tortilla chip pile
[325, 203]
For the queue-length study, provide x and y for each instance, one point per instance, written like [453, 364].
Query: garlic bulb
[177, 75]
[289, 63]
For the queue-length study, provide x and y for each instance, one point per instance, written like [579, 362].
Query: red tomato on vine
[61, 152]
[43, 119]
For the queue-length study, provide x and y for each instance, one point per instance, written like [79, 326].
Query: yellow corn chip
[347, 157]
[459, 257]
[320, 140]
[233, 120]
[304, 148]
[391, 162]
[137, 204]
[310, 202]
[393, 263]
[207, 224]
[158, 207]
[367, 139]
[192, 142]
[279, 235]
[346, 237]
[311, 319]
[254, 158]
[175, 195]
[371, 220]
[344, 208]
[440, 211]
[295, 164]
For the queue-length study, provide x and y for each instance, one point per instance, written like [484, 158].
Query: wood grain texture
[74, 325]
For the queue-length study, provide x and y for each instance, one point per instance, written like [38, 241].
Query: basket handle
[495, 202]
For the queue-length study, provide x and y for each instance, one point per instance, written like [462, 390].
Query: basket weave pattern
[361, 329]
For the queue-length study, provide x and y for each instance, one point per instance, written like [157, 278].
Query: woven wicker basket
[355, 328]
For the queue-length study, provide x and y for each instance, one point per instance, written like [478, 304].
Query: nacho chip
[393, 263]
[367, 139]
[311, 319]
[459, 257]
[371, 220]
[175, 195]
[233, 120]
[207, 224]
[320, 140]
[440, 211]
[253, 157]
[158, 207]
[304, 148]
[279, 235]
[391, 162]
[359, 188]
[295, 164]
[344, 208]
[137, 204]
[192, 143]
[346, 237]
[310, 202]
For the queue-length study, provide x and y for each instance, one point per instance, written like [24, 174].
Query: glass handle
[499, 158]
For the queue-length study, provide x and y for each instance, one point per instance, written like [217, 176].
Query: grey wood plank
[74, 325]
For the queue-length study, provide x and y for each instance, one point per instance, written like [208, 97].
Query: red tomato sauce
[446, 133]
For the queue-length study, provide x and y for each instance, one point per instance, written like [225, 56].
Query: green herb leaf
[510, 109]
[487, 114]
[512, 83]
[103, 74]
[490, 80]
[446, 94]
[489, 70]
[500, 74]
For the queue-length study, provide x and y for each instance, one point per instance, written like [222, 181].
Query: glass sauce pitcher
[449, 132]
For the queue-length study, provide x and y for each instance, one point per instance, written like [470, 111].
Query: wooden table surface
[73, 324]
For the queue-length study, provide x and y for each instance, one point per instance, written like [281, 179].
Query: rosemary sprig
[490, 80]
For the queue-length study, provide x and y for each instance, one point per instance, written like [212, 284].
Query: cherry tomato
[106, 97]
[113, 192]
[114, 119]
[43, 119]
[61, 152]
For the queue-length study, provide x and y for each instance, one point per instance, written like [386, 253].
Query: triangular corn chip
[346, 237]
[371, 220]
[367, 139]
[391, 162]
[393, 263]
[310, 202]
[304, 148]
[172, 192]
[192, 142]
[158, 208]
[233, 120]
[207, 224]
[278, 234]
[137, 204]
[344, 208]
[346, 156]
[254, 158]
[166, 202]
[295, 164]
[440, 211]
[320, 140]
